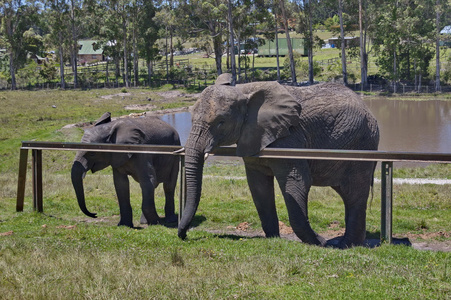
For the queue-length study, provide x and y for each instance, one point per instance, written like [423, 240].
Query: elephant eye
[220, 124]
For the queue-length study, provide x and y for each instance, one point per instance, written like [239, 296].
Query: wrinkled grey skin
[267, 114]
[147, 169]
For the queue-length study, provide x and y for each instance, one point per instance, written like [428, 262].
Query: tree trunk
[289, 46]
[363, 66]
[238, 41]
[135, 60]
[166, 57]
[171, 47]
[149, 72]
[118, 68]
[107, 73]
[12, 70]
[61, 58]
[217, 44]
[343, 43]
[74, 45]
[232, 42]
[395, 75]
[310, 45]
[277, 46]
[437, 48]
[228, 54]
[125, 74]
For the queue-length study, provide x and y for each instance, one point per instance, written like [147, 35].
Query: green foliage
[48, 71]
[302, 69]
[401, 38]
[331, 22]
[29, 74]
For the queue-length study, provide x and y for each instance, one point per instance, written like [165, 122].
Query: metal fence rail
[386, 159]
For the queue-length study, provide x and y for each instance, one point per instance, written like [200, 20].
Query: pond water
[413, 126]
[407, 126]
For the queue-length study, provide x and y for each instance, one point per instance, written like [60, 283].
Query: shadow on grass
[372, 239]
[197, 220]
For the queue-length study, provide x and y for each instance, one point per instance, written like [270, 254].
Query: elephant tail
[372, 185]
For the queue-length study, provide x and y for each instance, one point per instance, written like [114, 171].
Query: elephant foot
[171, 218]
[311, 238]
[154, 221]
[182, 233]
[128, 224]
[341, 243]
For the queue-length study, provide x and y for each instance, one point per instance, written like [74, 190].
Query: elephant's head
[104, 131]
[251, 116]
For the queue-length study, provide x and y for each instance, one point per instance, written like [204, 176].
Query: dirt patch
[145, 107]
[423, 241]
[176, 94]
[167, 96]
[108, 97]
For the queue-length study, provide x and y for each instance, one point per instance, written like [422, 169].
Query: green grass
[62, 254]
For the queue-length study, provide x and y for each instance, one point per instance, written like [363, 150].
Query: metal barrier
[386, 159]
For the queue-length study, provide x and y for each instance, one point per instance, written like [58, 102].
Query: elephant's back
[334, 117]
[157, 131]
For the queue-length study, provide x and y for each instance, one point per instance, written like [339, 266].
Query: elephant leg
[122, 186]
[355, 198]
[169, 208]
[295, 184]
[261, 186]
[169, 190]
[354, 190]
[149, 213]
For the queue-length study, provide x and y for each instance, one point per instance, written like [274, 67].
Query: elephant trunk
[77, 173]
[194, 166]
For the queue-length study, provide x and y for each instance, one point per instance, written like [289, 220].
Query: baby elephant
[147, 169]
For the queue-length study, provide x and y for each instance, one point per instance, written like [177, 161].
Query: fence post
[386, 201]
[37, 180]
[22, 179]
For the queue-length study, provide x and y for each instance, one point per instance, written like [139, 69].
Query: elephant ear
[125, 132]
[271, 111]
[105, 118]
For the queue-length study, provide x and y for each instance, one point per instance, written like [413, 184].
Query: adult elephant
[267, 114]
[147, 169]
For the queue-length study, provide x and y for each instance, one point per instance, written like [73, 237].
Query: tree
[17, 18]
[343, 43]
[208, 18]
[362, 44]
[289, 46]
[247, 15]
[305, 27]
[59, 12]
[442, 9]
[75, 25]
[167, 18]
[147, 35]
[232, 41]
[402, 38]
[116, 17]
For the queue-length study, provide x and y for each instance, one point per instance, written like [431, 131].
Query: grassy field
[61, 254]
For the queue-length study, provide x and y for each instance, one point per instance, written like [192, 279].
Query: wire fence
[183, 74]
